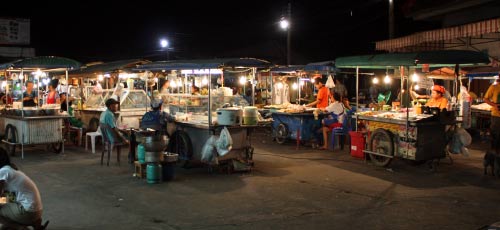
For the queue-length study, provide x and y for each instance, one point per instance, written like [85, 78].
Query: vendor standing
[492, 97]
[53, 96]
[29, 96]
[322, 97]
[437, 98]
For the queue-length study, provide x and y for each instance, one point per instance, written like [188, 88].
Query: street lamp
[164, 46]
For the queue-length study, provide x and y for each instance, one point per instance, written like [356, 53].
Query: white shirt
[25, 189]
[337, 108]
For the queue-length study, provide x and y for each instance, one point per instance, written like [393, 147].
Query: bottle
[80, 105]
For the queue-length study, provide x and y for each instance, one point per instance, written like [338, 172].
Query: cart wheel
[381, 142]
[11, 136]
[180, 143]
[93, 124]
[56, 147]
[281, 133]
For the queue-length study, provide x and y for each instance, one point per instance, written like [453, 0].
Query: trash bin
[168, 166]
[357, 144]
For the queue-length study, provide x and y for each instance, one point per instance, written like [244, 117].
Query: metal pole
[254, 70]
[391, 19]
[288, 36]
[357, 88]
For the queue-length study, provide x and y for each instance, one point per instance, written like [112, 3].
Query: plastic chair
[109, 144]
[92, 136]
[68, 129]
[341, 132]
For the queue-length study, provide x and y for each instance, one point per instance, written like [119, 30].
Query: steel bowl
[153, 157]
[155, 143]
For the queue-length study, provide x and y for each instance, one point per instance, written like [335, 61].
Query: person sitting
[27, 207]
[437, 98]
[108, 118]
[334, 120]
[63, 97]
[156, 119]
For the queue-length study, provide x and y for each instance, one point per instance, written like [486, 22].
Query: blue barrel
[141, 154]
[153, 173]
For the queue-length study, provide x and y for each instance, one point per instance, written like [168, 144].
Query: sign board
[14, 31]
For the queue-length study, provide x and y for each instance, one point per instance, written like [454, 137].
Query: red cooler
[357, 144]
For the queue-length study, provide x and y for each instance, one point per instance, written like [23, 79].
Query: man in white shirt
[335, 119]
[26, 208]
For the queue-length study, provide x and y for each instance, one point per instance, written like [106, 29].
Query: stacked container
[250, 115]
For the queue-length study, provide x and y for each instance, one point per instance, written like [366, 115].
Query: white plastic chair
[92, 136]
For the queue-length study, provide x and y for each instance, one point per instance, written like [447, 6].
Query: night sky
[112, 30]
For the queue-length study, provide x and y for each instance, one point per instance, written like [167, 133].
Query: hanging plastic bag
[465, 110]
[329, 82]
[208, 154]
[225, 143]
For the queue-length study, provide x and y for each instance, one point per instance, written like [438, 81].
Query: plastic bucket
[250, 111]
[168, 171]
[250, 120]
[357, 144]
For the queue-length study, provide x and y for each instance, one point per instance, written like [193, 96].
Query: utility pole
[288, 36]
[391, 19]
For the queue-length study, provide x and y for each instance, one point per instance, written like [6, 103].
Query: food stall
[33, 125]
[406, 133]
[198, 118]
[293, 121]
[134, 101]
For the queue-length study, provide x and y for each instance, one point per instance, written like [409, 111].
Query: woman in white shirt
[335, 120]
[26, 209]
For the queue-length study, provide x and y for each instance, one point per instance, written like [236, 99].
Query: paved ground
[288, 189]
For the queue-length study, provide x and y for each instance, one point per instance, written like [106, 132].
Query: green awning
[43, 62]
[433, 58]
[205, 64]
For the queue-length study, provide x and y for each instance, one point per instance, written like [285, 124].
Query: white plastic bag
[225, 143]
[208, 154]
[329, 82]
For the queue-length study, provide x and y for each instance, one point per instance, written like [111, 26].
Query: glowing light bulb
[243, 80]
[416, 87]
[375, 80]
[387, 79]
[204, 81]
[295, 86]
[100, 77]
[415, 77]
[279, 85]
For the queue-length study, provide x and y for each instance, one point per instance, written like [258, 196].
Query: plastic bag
[208, 154]
[329, 82]
[459, 140]
[225, 143]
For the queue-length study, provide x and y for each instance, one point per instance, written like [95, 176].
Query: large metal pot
[153, 157]
[155, 143]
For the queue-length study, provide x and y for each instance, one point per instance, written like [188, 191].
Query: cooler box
[357, 144]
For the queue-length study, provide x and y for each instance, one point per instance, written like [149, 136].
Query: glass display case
[134, 99]
[97, 100]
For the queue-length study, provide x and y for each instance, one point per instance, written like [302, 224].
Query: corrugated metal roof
[42, 62]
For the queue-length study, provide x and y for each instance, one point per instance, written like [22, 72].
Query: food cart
[293, 121]
[33, 125]
[134, 101]
[199, 117]
[407, 134]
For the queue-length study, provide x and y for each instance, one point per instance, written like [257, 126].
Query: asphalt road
[287, 189]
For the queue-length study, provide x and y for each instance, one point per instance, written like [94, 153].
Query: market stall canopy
[205, 64]
[109, 67]
[483, 72]
[417, 59]
[324, 66]
[287, 69]
[45, 63]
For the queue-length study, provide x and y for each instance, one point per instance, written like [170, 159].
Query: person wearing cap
[156, 118]
[322, 97]
[437, 97]
[108, 118]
